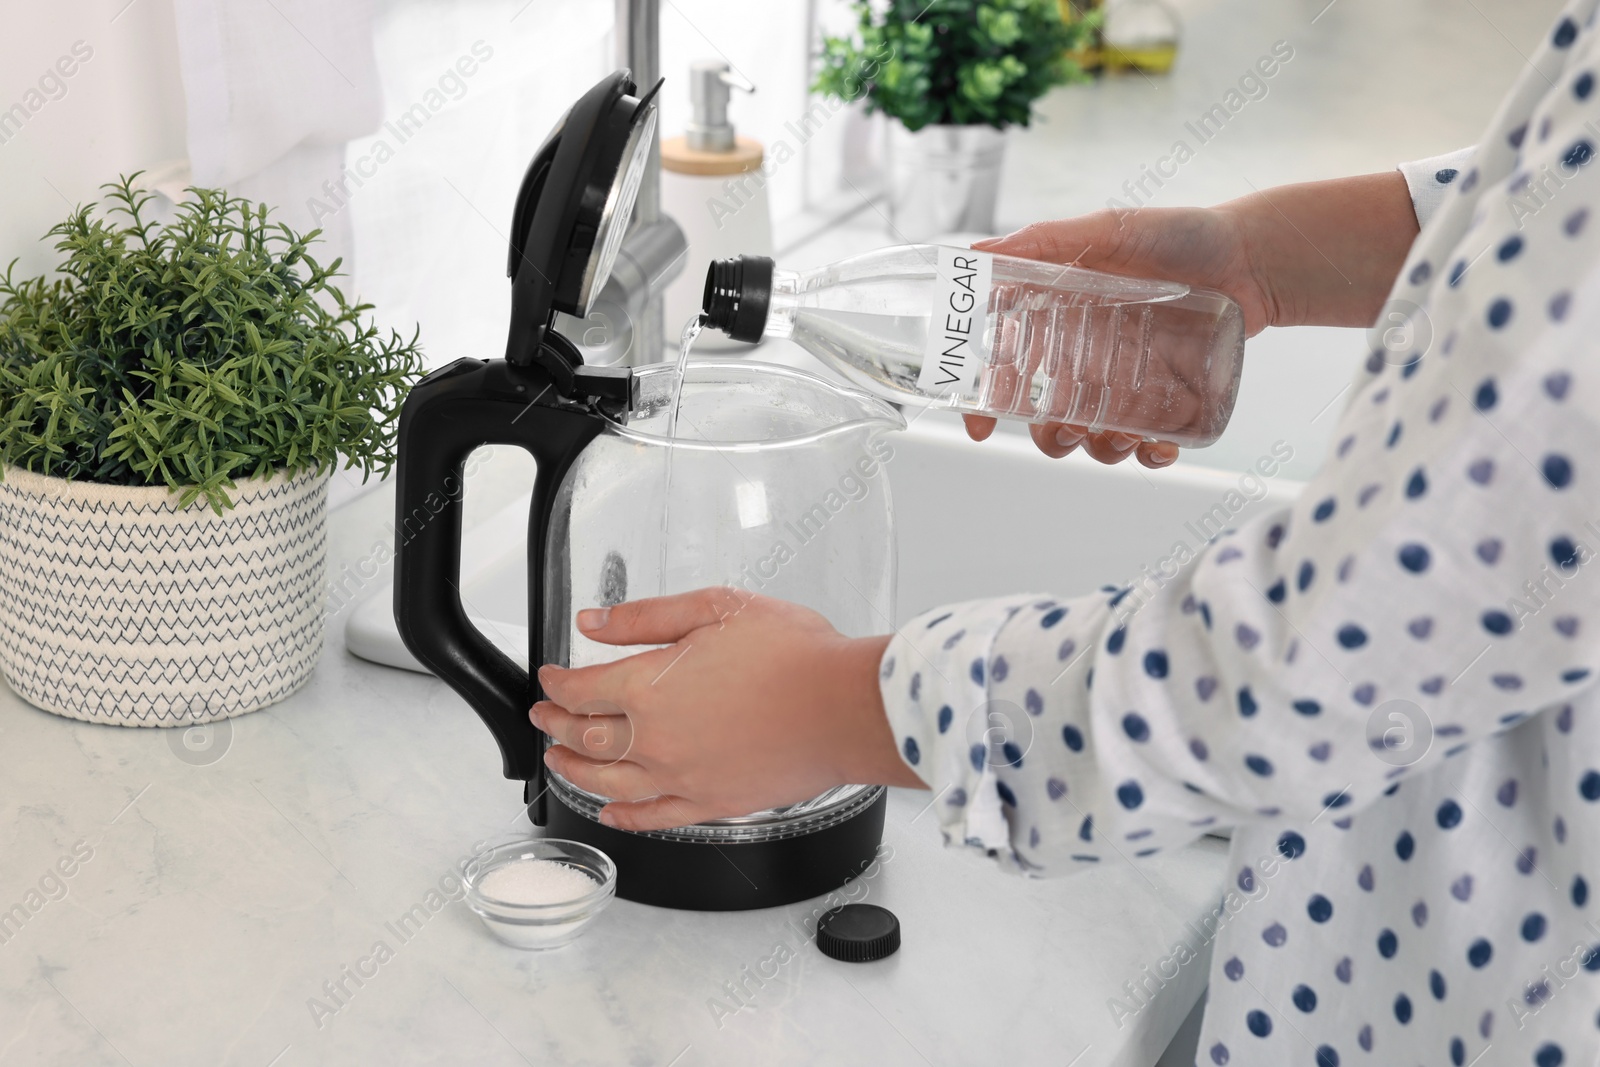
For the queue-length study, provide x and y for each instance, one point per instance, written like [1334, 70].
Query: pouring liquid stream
[691, 330]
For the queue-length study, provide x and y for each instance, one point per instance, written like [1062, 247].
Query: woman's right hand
[1318, 253]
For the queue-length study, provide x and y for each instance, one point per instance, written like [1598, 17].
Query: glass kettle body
[773, 482]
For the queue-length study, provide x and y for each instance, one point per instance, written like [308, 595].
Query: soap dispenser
[714, 183]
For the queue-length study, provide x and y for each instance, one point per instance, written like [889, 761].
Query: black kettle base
[728, 876]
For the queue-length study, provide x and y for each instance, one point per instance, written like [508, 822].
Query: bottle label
[958, 332]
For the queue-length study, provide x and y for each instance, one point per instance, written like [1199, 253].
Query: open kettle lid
[574, 206]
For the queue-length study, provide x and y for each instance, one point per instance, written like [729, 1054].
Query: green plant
[192, 353]
[960, 62]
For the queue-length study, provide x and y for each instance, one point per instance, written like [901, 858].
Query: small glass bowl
[541, 926]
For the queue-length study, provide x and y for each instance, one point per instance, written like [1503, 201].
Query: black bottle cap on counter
[858, 933]
[738, 292]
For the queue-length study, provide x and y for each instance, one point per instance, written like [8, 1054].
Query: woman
[1386, 690]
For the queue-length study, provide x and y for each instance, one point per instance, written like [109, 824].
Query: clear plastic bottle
[988, 334]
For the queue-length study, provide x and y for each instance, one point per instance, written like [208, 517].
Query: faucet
[625, 325]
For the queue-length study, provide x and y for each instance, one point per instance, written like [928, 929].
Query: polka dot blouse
[1387, 689]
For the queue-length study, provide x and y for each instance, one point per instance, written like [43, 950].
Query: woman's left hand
[754, 703]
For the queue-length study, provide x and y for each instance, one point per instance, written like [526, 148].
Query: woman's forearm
[1327, 252]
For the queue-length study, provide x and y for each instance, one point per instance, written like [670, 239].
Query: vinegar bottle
[987, 334]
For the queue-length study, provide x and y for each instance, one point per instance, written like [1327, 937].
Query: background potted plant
[171, 406]
[952, 76]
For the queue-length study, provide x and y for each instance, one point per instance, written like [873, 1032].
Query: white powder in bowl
[531, 881]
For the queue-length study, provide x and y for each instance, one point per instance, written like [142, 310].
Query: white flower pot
[943, 179]
[117, 606]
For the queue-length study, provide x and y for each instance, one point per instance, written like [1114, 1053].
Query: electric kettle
[736, 473]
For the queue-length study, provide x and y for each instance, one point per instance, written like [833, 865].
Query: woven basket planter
[117, 606]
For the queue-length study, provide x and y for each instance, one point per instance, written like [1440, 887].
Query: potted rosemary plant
[171, 406]
[952, 76]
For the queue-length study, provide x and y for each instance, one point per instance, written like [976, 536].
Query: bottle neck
[785, 302]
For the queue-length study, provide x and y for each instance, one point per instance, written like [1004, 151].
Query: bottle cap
[738, 291]
[858, 933]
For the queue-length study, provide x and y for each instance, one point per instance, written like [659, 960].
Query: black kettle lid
[572, 211]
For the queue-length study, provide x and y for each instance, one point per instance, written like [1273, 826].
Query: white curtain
[274, 90]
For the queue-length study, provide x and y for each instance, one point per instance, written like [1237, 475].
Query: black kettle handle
[447, 415]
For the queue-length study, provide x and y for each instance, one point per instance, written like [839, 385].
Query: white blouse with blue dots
[1387, 689]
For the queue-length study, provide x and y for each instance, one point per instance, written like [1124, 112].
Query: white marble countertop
[218, 898]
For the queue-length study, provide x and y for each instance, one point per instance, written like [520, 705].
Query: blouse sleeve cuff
[1430, 179]
[934, 678]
